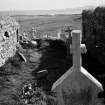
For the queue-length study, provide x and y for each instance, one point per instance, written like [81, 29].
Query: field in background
[48, 23]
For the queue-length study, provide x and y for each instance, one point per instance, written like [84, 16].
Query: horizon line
[13, 10]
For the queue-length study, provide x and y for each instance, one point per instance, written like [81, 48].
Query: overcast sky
[46, 4]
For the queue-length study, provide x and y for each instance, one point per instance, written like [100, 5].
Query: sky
[46, 4]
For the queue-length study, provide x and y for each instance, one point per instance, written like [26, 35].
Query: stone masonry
[8, 38]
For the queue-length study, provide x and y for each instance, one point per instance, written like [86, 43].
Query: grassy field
[48, 23]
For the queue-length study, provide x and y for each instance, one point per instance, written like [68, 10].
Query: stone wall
[93, 25]
[93, 29]
[8, 38]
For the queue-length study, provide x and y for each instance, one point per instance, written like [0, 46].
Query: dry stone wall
[93, 25]
[8, 38]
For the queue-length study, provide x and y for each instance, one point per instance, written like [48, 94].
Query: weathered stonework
[8, 38]
[77, 86]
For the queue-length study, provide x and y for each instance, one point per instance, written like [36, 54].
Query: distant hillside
[47, 12]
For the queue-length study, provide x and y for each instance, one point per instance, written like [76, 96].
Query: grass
[48, 23]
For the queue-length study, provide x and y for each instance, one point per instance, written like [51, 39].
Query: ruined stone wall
[93, 25]
[8, 38]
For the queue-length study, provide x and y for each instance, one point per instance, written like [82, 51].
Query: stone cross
[77, 48]
[77, 86]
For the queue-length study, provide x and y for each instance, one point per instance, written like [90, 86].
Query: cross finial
[77, 48]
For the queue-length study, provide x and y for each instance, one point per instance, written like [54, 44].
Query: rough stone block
[8, 38]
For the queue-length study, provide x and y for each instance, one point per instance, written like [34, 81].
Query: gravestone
[77, 86]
